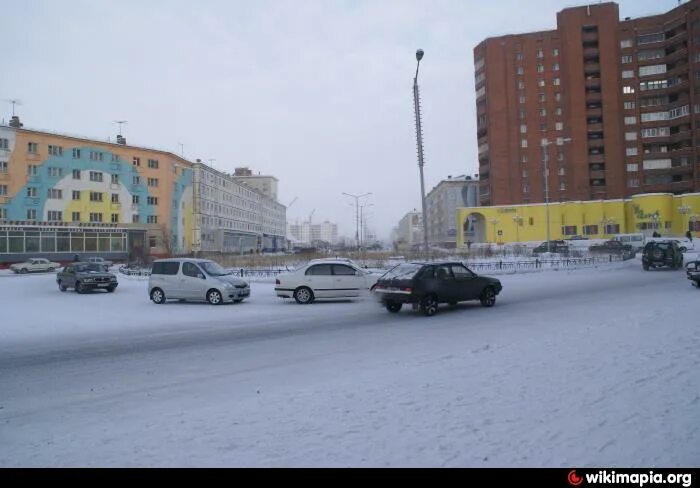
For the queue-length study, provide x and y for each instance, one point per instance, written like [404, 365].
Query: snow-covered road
[589, 367]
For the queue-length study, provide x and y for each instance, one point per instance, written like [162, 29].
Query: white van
[637, 241]
[196, 280]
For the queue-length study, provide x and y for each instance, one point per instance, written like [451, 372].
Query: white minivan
[196, 280]
[637, 241]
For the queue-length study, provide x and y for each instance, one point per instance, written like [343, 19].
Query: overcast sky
[315, 92]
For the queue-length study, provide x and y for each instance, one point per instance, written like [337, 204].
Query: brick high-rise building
[618, 102]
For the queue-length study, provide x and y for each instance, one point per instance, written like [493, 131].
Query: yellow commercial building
[665, 213]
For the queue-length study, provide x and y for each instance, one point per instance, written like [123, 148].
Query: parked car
[84, 277]
[101, 261]
[577, 238]
[196, 280]
[429, 284]
[684, 244]
[34, 265]
[327, 279]
[657, 254]
[559, 247]
[637, 241]
[617, 248]
[692, 271]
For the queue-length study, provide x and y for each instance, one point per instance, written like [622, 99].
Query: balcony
[594, 112]
[596, 158]
[593, 96]
[681, 53]
[685, 135]
[595, 127]
[591, 53]
[589, 37]
[591, 68]
[597, 175]
[600, 142]
[592, 82]
[679, 37]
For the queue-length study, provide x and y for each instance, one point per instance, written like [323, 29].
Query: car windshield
[90, 268]
[402, 271]
[214, 269]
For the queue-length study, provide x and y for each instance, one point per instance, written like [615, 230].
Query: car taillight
[379, 286]
[277, 282]
[409, 290]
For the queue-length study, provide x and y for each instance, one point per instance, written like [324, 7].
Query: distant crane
[14, 102]
[292, 202]
[311, 216]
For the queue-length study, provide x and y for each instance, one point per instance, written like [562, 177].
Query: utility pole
[419, 141]
[357, 214]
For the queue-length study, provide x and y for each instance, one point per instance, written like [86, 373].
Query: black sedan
[429, 284]
[83, 277]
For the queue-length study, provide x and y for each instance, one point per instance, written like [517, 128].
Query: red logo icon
[574, 479]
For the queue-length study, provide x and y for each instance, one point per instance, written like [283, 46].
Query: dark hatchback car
[429, 284]
[657, 254]
[559, 247]
[692, 272]
[83, 277]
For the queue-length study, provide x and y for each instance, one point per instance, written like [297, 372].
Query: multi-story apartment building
[267, 185]
[441, 205]
[64, 195]
[231, 216]
[613, 105]
[306, 233]
[409, 233]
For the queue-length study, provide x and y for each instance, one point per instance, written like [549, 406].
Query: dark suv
[429, 284]
[662, 253]
[560, 247]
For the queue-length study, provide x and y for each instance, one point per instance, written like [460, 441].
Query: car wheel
[61, 286]
[683, 249]
[24, 271]
[429, 305]
[488, 297]
[214, 297]
[393, 307]
[157, 296]
[303, 295]
[110, 289]
[51, 270]
[80, 288]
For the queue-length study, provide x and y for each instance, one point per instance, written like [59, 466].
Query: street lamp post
[685, 210]
[518, 221]
[357, 214]
[544, 143]
[419, 141]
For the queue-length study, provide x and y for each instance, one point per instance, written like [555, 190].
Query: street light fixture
[357, 214]
[419, 141]
[545, 160]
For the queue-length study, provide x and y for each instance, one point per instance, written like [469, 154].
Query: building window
[523, 129]
[95, 196]
[556, 82]
[135, 219]
[590, 230]
[628, 74]
[555, 52]
[136, 161]
[55, 172]
[526, 189]
[541, 97]
[76, 174]
[75, 217]
[562, 186]
[649, 38]
[76, 153]
[152, 241]
[558, 111]
[520, 70]
[136, 180]
[627, 90]
[562, 172]
[631, 120]
[540, 54]
[32, 147]
[115, 218]
[3, 190]
[55, 150]
[653, 85]
[95, 217]
[153, 182]
[632, 182]
[31, 192]
[523, 158]
[32, 170]
[521, 99]
[54, 193]
[3, 167]
[630, 105]
[557, 97]
[152, 200]
[543, 112]
[540, 83]
[95, 156]
[612, 229]
[115, 179]
[555, 67]
[76, 195]
[135, 199]
[4, 143]
[115, 158]
[31, 214]
[153, 163]
[656, 132]
[519, 56]
[115, 197]
[55, 216]
[540, 68]
[560, 156]
[632, 167]
[626, 59]
[523, 143]
[521, 85]
[569, 230]
[625, 43]
[652, 70]
[559, 126]
[630, 136]
[152, 219]
[631, 151]
[650, 54]
[95, 176]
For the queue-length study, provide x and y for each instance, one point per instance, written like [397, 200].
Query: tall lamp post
[518, 222]
[685, 210]
[357, 215]
[544, 143]
[419, 142]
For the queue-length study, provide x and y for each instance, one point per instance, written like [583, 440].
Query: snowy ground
[571, 368]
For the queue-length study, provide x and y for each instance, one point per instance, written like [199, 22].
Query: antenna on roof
[120, 123]
[14, 102]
